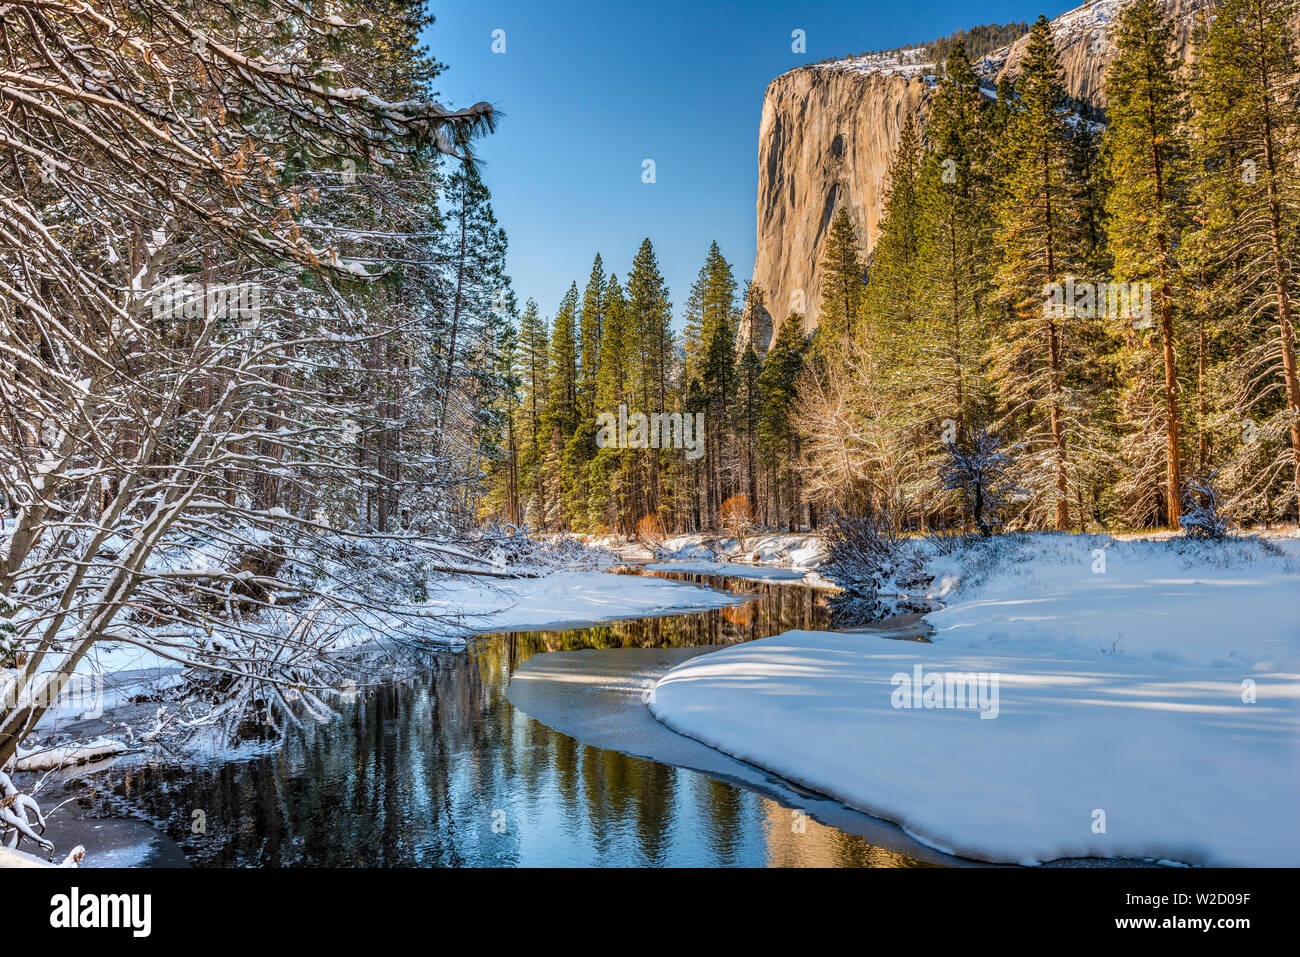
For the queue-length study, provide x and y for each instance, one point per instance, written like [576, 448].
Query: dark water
[443, 771]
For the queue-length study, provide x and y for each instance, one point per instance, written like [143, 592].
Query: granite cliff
[828, 133]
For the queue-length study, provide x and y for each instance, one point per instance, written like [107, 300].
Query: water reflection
[442, 770]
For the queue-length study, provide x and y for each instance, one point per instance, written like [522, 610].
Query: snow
[910, 62]
[1095, 15]
[1088, 22]
[567, 598]
[760, 572]
[58, 756]
[1143, 702]
[1174, 601]
[119, 671]
[793, 549]
[10, 857]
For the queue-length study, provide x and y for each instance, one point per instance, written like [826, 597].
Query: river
[442, 770]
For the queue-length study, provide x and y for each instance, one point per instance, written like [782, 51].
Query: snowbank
[114, 672]
[596, 696]
[14, 858]
[790, 549]
[1233, 605]
[9, 857]
[58, 756]
[772, 573]
[1126, 699]
[479, 605]
[567, 598]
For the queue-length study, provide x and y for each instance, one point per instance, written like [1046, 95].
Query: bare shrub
[737, 517]
[650, 530]
[867, 557]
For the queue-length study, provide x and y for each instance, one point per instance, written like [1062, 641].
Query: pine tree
[748, 405]
[755, 324]
[889, 303]
[1248, 133]
[534, 374]
[562, 404]
[1088, 171]
[754, 334]
[534, 344]
[611, 471]
[842, 285]
[710, 354]
[871, 385]
[553, 513]
[1035, 353]
[563, 416]
[503, 498]
[476, 248]
[649, 315]
[945, 345]
[589, 335]
[777, 440]
[1146, 161]
[614, 373]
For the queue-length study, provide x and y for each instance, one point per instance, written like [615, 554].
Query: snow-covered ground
[482, 605]
[786, 549]
[1127, 699]
[113, 672]
[774, 573]
[561, 598]
[913, 61]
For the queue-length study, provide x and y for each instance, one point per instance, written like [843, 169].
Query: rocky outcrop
[1085, 45]
[826, 140]
[829, 130]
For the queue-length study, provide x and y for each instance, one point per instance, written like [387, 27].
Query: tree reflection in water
[441, 770]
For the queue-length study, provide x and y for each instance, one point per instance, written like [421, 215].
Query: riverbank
[798, 550]
[1140, 699]
[455, 760]
[463, 607]
[597, 696]
[564, 598]
[466, 606]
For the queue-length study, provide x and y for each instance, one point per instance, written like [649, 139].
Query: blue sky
[589, 90]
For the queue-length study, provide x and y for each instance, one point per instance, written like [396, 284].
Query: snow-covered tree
[1202, 515]
[208, 221]
[979, 468]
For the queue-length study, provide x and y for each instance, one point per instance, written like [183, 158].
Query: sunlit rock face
[829, 130]
[826, 139]
[1085, 44]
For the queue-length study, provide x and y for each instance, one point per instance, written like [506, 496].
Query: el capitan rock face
[829, 130]
[826, 139]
